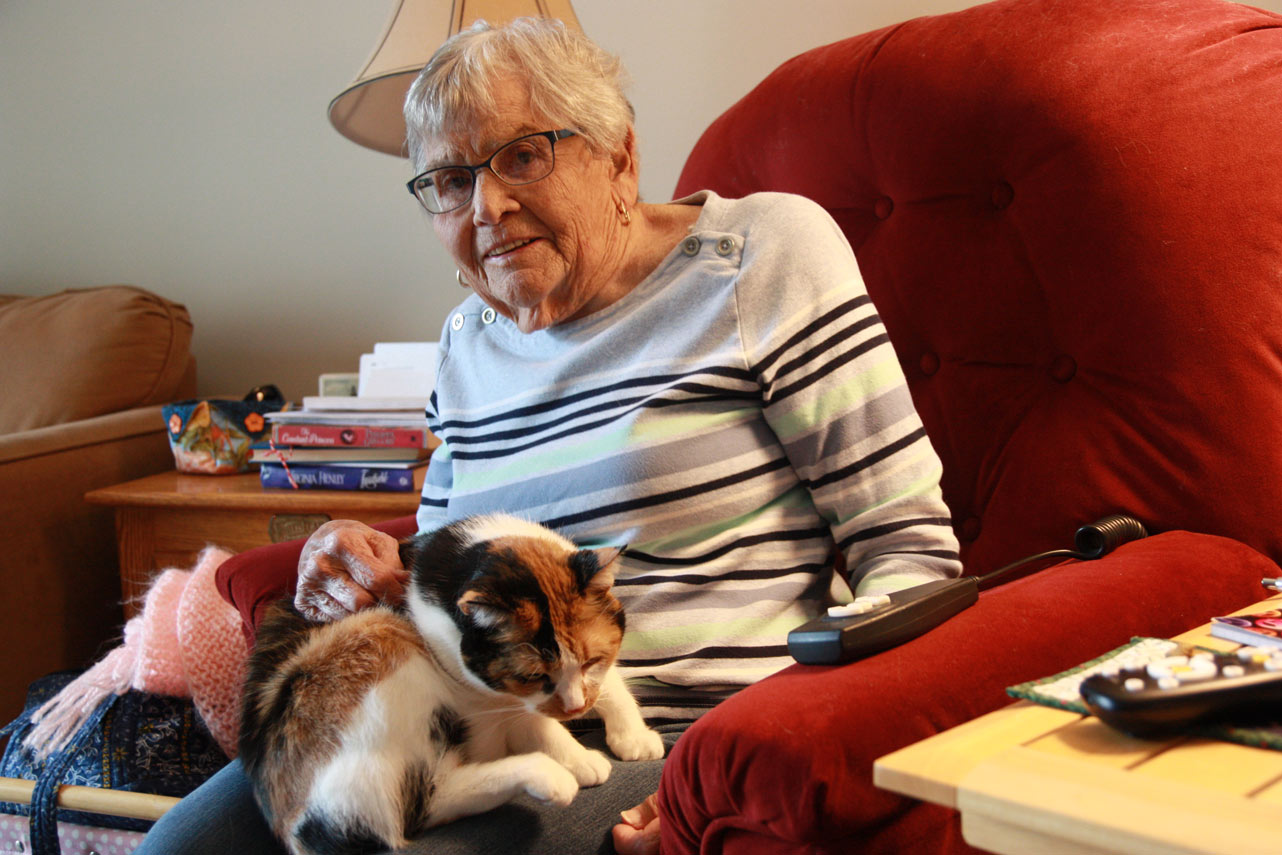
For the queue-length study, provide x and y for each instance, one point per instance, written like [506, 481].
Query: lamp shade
[369, 111]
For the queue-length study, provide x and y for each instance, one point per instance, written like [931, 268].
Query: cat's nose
[576, 711]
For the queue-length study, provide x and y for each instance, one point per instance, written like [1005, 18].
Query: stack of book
[346, 443]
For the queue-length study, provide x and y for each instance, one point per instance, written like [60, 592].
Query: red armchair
[1069, 214]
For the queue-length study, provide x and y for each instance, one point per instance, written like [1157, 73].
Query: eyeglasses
[524, 160]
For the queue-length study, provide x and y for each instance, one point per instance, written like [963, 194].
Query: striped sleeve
[836, 398]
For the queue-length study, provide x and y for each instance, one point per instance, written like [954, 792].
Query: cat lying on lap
[361, 734]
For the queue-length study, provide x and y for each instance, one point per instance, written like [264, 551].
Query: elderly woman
[704, 381]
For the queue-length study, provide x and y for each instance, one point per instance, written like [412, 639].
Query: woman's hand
[347, 566]
[638, 833]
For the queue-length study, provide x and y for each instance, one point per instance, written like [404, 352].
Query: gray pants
[221, 817]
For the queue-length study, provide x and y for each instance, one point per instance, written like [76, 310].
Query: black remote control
[872, 624]
[1179, 692]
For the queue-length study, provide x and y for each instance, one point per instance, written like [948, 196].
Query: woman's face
[539, 253]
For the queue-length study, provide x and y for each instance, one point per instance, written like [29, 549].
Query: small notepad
[1262, 629]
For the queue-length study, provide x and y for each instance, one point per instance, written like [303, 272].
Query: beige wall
[184, 147]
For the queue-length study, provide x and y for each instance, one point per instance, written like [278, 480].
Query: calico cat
[361, 734]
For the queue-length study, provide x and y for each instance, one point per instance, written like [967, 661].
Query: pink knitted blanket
[186, 642]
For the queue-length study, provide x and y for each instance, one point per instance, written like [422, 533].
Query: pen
[1272, 584]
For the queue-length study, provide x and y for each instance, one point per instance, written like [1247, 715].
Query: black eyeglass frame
[553, 137]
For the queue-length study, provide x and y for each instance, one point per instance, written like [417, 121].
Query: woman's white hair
[572, 83]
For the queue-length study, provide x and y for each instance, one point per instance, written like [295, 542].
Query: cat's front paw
[635, 744]
[589, 768]
[550, 782]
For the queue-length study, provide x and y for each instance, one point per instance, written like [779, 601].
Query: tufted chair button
[968, 531]
[929, 363]
[1063, 367]
[1003, 195]
[883, 207]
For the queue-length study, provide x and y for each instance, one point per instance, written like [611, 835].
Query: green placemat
[1063, 690]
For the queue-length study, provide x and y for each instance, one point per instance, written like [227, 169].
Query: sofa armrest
[65, 437]
[61, 570]
[254, 579]
[786, 765]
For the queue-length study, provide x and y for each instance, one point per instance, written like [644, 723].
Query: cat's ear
[483, 612]
[408, 550]
[597, 566]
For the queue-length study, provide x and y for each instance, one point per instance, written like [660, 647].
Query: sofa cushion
[87, 352]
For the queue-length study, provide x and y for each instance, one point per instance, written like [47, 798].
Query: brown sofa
[84, 375]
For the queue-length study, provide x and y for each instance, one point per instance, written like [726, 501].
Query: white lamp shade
[369, 111]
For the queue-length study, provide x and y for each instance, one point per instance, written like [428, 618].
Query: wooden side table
[165, 520]
[1029, 778]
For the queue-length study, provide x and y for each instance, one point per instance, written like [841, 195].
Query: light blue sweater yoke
[736, 420]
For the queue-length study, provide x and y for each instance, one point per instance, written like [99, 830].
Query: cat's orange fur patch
[328, 679]
[585, 627]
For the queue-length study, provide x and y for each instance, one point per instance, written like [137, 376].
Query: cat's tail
[345, 826]
[322, 835]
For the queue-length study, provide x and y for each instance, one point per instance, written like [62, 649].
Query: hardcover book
[348, 436]
[379, 418]
[301, 454]
[380, 478]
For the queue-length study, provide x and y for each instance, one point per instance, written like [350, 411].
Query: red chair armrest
[786, 765]
[256, 578]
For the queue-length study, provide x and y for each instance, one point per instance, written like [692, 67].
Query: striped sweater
[736, 420]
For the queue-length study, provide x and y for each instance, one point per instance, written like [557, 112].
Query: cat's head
[534, 615]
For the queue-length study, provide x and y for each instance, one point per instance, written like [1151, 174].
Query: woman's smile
[507, 251]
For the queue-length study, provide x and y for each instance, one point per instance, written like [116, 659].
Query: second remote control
[872, 624]
[1179, 692]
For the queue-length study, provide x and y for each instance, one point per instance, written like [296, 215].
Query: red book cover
[349, 436]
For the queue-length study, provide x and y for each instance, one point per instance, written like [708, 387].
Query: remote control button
[1166, 667]
[1170, 682]
[860, 606]
[1257, 655]
[875, 600]
[1274, 663]
[1232, 671]
[1133, 684]
[1198, 668]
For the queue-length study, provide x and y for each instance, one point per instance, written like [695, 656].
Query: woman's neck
[651, 234]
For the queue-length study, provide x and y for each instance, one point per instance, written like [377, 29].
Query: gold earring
[458, 277]
[624, 214]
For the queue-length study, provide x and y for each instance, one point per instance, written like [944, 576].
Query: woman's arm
[253, 580]
[836, 397]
